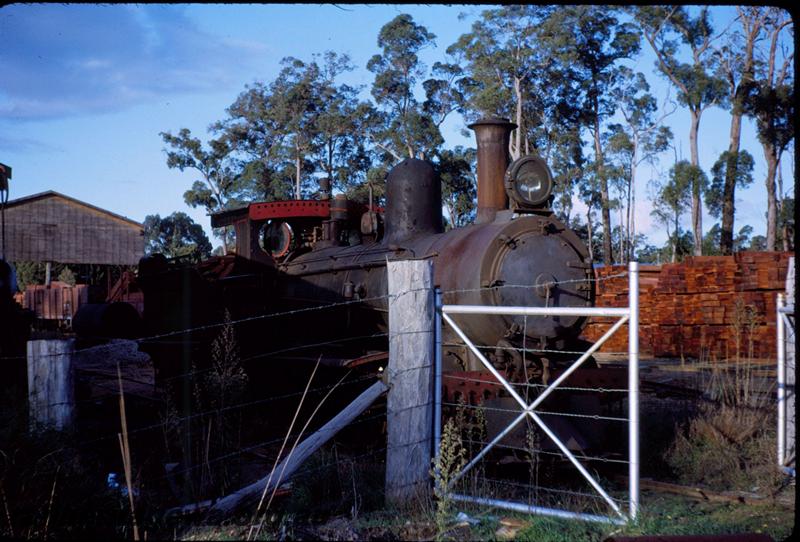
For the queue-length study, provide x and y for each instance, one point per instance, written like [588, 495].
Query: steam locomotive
[296, 255]
[321, 265]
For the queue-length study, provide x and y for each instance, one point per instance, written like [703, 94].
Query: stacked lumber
[706, 307]
[58, 301]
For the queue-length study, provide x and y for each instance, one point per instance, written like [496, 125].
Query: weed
[223, 386]
[729, 444]
[533, 445]
[191, 441]
[451, 459]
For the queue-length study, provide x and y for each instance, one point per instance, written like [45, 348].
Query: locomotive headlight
[529, 182]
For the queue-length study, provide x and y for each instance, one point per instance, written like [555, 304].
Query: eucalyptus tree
[771, 102]
[667, 29]
[737, 65]
[588, 43]
[300, 125]
[565, 156]
[176, 235]
[506, 72]
[342, 125]
[639, 139]
[220, 184]
[295, 104]
[786, 223]
[446, 94]
[740, 167]
[673, 196]
[256, 138]
[459, 186]
[407, 130]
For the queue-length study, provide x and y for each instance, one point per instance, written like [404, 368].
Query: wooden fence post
[409, 409]
[51, 392]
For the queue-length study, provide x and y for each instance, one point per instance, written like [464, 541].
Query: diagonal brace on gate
[629, 315]
[528, 409]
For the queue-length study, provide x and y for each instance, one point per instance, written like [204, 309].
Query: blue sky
[86, 89]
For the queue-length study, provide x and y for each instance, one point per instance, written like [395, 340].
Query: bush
[730, 444]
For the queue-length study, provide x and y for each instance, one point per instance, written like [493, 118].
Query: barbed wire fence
[204, 418]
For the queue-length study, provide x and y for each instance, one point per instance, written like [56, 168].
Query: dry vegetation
[50, 488]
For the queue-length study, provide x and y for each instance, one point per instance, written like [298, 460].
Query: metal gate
[786, 384]
[629, 315]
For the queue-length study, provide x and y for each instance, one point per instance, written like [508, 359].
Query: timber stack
[706, 307]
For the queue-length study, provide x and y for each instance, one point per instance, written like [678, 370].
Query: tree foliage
[740, 165]
[672, 199]
[506, 71]
[589, 42]
[175, 236]
[459, 186]
[640, 139]
[770, 101]
[406, 130]
[561, 74]
[667, 29]
[217, 187]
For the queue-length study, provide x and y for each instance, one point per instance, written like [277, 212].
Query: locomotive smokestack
[492, 135]
[413, 201]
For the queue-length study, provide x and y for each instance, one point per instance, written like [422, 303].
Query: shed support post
[51, 393]
[409, 409]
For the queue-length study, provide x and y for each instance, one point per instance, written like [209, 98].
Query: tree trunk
[608, 257]
[518, 135]
[772, 204]
[726, 234]
[752, 29]
[675, 241]
[621, 237]
[782, 212]
[697, 209]
[297, 172]
[589, 232]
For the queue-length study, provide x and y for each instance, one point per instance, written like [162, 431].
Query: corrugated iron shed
[52, 227]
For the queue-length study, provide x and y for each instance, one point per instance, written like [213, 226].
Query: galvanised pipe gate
[785, 326]
[629, 315]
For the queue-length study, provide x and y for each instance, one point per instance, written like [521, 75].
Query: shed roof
[50, 226]
[52, 193]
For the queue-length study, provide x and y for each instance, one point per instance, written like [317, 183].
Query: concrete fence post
[410, 379]
[51, 390]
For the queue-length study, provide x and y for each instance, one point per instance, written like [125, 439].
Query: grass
[730, 443]
[660, 515]
[723, 443]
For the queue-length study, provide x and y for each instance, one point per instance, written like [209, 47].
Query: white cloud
[66, 60]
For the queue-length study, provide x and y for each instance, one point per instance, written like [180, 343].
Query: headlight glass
[528, 182]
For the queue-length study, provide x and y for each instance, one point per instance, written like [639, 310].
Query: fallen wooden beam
[250, 494]
[696, 493]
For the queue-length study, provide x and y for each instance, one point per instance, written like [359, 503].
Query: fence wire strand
[363, 419]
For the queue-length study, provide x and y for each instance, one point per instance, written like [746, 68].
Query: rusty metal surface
[492, 136]
[288, 209]
[471, 386]
[413, 196]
